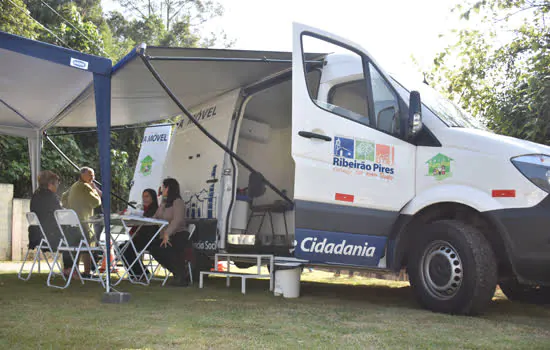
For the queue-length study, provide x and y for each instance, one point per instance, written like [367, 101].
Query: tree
[192, 12]
[167, 23]
[78, 34]
[63, 23]
[500, 71]
[14, 18]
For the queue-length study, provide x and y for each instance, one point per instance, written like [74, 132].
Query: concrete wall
[6, 212]
[20, 229]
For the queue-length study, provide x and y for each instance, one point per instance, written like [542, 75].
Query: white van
[336, 163]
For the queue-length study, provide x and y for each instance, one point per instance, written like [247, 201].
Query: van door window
[385, 103]
[343, 90]
[352, 98]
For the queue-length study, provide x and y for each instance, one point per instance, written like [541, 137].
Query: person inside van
[141, 235]
[169, 248]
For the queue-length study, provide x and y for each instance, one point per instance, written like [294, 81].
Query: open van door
[353, 169]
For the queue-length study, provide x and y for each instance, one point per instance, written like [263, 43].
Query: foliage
[80, 35]
[500, 71]
[14, 19]
[166, 23]
[189, 12]
[15, 165]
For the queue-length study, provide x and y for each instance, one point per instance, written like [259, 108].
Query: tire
[517, 292]
[452, 268]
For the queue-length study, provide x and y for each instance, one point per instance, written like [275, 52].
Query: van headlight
[536, 168]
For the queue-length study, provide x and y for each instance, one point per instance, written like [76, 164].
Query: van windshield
[444, 109]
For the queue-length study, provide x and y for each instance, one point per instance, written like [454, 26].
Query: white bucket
[287, 281]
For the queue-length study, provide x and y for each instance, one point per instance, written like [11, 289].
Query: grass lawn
[342, 312]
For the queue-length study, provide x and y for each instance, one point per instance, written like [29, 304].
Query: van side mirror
[414, 124]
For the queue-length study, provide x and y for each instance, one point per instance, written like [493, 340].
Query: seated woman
[169, 249]
[44, 203]
[141, 235]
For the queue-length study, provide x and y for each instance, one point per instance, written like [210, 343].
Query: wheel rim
[441, 270]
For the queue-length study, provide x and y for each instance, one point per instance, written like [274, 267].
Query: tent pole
[102, 90]
[35, 150]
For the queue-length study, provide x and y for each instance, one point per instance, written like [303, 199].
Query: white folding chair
[191, 229]
[69, 224]
[42, 248]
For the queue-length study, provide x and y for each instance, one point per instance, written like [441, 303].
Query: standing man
[83, 197]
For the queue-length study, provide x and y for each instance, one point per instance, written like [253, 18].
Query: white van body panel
[480, 165]
[192, 169]
[452, 193]
[489, 143]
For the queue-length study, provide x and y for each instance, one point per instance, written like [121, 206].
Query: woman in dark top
[141, 235]
[44, 203]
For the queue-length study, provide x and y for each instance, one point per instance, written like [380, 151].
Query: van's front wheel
[452, 268]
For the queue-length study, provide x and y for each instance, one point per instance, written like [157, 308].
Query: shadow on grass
[257, 291]
[376, 294]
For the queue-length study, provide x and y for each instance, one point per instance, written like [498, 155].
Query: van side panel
[193, 159]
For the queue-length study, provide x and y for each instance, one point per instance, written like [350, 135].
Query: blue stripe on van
[339, 248]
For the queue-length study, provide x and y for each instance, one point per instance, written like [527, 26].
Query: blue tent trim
[55, 54]
[125, 60]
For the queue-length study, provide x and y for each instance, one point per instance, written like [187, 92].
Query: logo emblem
[364, 150]
[440, 167]
[344, 147]
[385, 154]
[146, 165]
[75, 62]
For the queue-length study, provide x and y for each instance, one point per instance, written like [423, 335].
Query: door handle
[312, 135]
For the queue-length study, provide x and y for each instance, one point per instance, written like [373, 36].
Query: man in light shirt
[83, 197]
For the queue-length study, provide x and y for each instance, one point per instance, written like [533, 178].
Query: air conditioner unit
[254, 130]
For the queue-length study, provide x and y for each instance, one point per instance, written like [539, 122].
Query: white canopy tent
[42, 85]
[193, 75]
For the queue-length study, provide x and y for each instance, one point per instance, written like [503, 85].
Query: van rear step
[260, 258]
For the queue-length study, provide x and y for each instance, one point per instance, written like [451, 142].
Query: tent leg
[35, 150]
[102, 90]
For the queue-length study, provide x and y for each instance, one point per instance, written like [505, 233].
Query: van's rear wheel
[515, 291]
[452, 268]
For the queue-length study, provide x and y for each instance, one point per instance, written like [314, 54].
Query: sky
[390, 30]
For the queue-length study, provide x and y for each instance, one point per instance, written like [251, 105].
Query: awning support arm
[224, 59]
[155, 74]
[47, 137]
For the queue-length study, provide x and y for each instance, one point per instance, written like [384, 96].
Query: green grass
[354, 313]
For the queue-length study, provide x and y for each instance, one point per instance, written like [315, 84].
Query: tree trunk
[167, 16]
